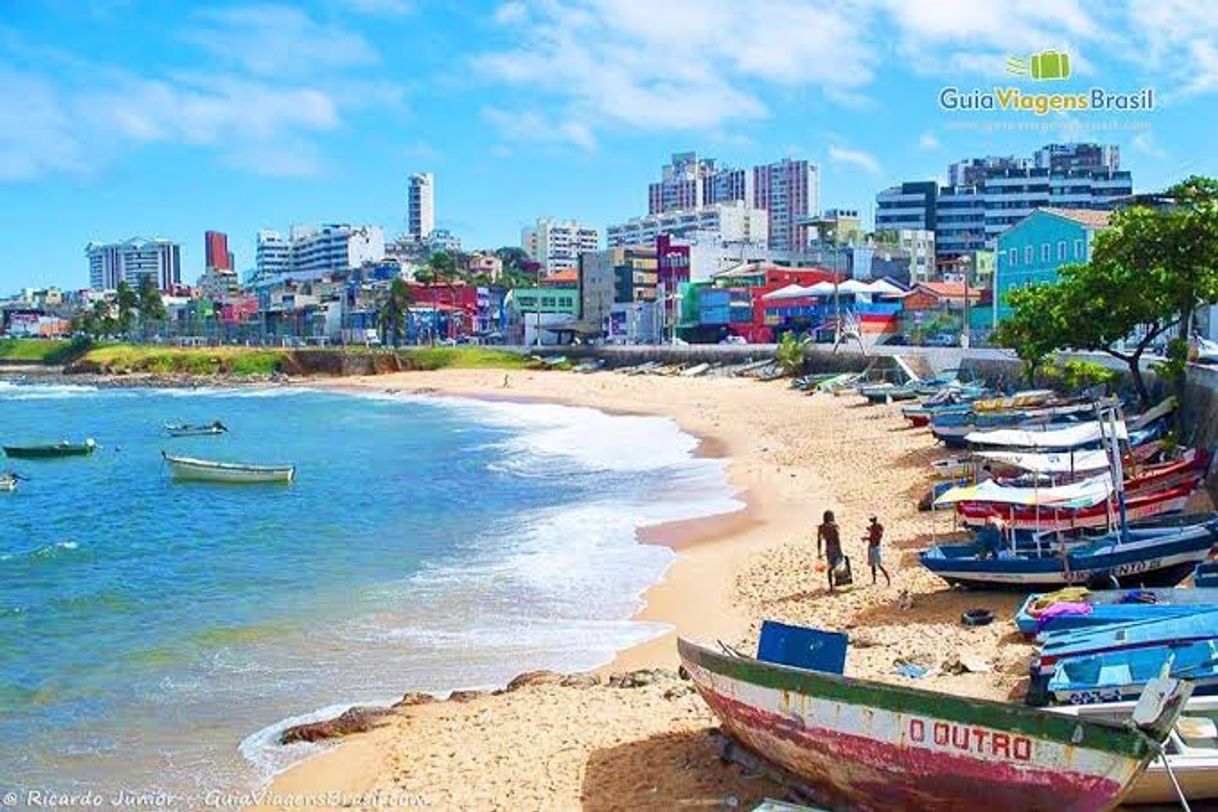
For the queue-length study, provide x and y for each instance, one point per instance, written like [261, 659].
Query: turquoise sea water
[157, 635]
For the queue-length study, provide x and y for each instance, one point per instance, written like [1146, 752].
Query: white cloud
[929, 140]
[511, 12]
[36, 135]
[534, 126]
[680, 65]
[277, 41]
[854, 157]
[1145, 144]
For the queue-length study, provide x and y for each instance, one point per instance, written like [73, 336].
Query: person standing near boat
[828, 534]
[875, 559]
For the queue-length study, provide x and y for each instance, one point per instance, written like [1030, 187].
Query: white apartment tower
[421, 206]
[556, 245]
[110, 263]
[272, 254]
[311, 252]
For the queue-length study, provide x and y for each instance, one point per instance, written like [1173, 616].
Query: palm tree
[392, 315]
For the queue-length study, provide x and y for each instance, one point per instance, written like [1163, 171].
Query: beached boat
[951, 468]
[238, 473]
[196, 430]
[51, 450]
[1045, 512]
[1056, 646]
[1206, 574]
[1149, 556]
[1117, 676]
[694, 371]
[887, 392]
[1088, 608]
[1191, 749]
[876, 746]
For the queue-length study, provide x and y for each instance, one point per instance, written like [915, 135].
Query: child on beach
[827, 534]
[875, 560]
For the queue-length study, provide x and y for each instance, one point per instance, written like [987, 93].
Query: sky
[123, 118]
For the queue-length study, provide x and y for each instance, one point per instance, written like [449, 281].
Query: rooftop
[948, 290]
[1091, 218]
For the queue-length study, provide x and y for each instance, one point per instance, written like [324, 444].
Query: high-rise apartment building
[727, 222]
[690, 182]
[315, 251]
[129, 261]
[789, 191]
[215, 251]
[556, 245]
[986, 196]
[421, 206]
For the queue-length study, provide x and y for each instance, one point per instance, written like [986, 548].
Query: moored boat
[189, 468]
[63, 448]
[199, 430]
[875, 746]
[8, 482]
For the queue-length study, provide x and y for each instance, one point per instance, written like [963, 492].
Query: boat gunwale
[1032, 722]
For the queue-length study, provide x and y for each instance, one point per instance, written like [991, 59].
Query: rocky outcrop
[356, 720]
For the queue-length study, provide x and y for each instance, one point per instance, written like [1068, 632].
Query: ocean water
[157, 635]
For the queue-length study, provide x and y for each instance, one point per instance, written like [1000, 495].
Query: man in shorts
[875, 559]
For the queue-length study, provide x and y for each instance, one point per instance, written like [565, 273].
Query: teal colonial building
[1032, 250]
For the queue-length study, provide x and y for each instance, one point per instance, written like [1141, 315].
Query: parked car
[734, 340]
[942, 340]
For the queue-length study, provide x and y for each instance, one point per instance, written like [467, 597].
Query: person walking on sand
[827, 534]
[875, 559]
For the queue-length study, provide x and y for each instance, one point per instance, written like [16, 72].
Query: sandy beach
[602, 742]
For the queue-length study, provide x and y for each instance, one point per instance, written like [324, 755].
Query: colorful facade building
[1032, 251]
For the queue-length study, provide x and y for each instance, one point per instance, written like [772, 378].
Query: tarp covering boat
[1075, 436]
[1055, 462]
[1082, 494]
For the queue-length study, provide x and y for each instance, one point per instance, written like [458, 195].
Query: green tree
[126, 302]
[392, 314]
[151, 306]
[1034, 329]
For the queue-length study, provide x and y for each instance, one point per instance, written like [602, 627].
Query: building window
[1045, 252]
[1028, 255]
[1061, 251]
[1078, 249]
[1013, 256]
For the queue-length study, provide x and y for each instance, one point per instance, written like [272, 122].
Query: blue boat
[1206, 574]
[1115, 606]
[1114, 676]
[1149, 556]
[1061, 645]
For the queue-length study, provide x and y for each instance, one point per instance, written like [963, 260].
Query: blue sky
[125, 118]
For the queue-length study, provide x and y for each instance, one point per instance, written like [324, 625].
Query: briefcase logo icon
[1043, 66]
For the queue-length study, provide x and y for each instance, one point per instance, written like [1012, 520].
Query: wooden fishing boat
[51, 450]
[1060, 645]
[887, 392]
[1191, 750]
[189, 468]
[199, 430]
[1049, 516]
[875, 746]
[1117, 676]
[1110, 606]
[1151, 556]
[1206, 574]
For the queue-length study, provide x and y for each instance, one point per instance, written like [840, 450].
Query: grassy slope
[38, 350]
[463, 358]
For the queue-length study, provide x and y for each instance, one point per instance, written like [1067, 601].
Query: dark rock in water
[412, 699]
[355, 720]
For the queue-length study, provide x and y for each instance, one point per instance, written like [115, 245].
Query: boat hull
[1138, 507]
[47, 452]
[1153, 562]
[875, 747]
[202, 471]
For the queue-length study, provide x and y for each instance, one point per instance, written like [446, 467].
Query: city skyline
[246, 117]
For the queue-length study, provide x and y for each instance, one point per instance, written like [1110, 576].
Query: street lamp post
[967, 262]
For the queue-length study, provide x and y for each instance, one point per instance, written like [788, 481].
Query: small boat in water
[199, 430]
[877, 746]
[1191, 750]
[8, 482]
[189, 468]
[51, 450]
